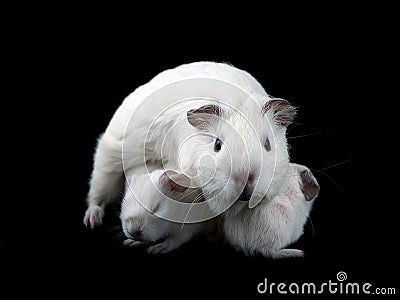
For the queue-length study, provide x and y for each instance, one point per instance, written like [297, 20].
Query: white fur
[146, 128]
[144, 203]
[243, 132]
[272, 225]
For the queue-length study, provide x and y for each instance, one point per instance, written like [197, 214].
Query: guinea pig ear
[173, 181]
[309, 186]
[201, 117]
[282, 112]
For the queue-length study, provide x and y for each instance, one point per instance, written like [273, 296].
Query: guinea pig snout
[246, 179]
[246, 194]
[136, 233]
[133, 229]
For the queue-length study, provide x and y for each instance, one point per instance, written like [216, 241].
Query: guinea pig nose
[136, 233]
[250, 179]
[239, 178]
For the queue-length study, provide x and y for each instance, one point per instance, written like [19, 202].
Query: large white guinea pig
[211, 121]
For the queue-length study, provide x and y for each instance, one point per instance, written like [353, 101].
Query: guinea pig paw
[287, 253]
[93, 216]
[163, 247]
[132, 243]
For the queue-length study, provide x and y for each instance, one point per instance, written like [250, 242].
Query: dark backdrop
[77, 76]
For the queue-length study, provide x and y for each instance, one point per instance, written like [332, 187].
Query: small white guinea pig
[148, 197]
[272, 225]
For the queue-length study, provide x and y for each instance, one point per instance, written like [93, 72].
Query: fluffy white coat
[151, 126]
[272, 225]
[145, 202]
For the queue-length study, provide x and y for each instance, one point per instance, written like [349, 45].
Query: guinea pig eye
[217, 145]
[267, 145]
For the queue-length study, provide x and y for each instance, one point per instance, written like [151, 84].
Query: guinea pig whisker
[118, 227]
[117, 213]
[117, 232]
[294, 124]
[312, 226]
[119, 237]
[310, 134]
[331, 166]
[329, 177]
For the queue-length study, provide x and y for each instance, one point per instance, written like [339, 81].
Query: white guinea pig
[212, 121]
[240, 152]
[147, 199]
[272, 225]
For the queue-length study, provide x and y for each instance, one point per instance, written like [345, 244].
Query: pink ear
[310, 186]
[173, 181]
[201, 117]
[282, 112]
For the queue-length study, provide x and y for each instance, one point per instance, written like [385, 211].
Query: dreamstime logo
[341, 276]
[330, 287]
[158, 130]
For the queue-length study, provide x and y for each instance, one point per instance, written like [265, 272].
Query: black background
[73, 74]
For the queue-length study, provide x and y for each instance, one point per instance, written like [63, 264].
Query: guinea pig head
[142, 204]
[241, 153]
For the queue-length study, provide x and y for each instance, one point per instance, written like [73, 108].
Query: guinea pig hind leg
[106, 184]
[283, 253]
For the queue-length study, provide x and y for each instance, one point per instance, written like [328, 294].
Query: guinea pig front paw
[163, 247]
[93, 216]
[132, 243]
[287, 253]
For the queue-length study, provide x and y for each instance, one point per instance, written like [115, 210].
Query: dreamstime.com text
[339, 286]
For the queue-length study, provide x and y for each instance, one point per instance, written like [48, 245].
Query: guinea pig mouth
[245, 195]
